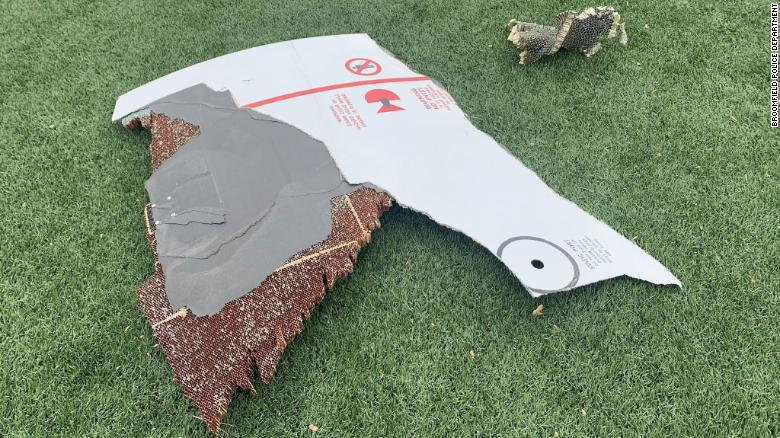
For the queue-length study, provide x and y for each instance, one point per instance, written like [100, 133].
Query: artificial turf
[667, 140]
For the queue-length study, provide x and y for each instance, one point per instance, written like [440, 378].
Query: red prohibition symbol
[363, 66]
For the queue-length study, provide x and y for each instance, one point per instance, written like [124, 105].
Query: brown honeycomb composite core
[212, 356]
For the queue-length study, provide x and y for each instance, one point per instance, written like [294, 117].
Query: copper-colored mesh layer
[212, 356]
[168, 136]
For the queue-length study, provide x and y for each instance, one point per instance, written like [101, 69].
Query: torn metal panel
[213, 356]
[390, 126]
[241, 198]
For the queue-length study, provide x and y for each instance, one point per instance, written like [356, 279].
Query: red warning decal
[384, 97]
[363, 66]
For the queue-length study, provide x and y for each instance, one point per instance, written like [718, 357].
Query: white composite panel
[427, 155]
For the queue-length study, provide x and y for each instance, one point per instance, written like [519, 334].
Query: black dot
[537, 264]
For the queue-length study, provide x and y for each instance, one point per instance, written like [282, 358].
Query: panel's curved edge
[133, 100]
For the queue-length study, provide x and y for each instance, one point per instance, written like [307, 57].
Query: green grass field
[667, 140]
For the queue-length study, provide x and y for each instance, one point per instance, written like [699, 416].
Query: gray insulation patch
[237, 201]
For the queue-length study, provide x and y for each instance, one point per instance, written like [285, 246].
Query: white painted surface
[431, 160]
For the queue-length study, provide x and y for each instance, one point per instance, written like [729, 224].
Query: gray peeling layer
[236, 201]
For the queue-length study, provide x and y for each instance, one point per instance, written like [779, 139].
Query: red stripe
[332, 87]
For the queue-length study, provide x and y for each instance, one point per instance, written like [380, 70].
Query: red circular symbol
[363, 66]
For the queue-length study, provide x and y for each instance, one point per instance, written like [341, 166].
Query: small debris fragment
[538, 311]
[733, 119]
[473, 354]
[51, 126]
[583, 412]
[582, 31]
[313, 427]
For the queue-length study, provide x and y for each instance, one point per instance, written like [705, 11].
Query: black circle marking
[538, 264]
